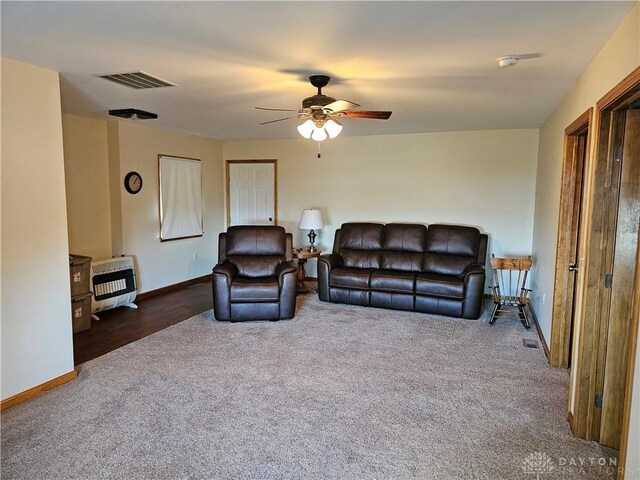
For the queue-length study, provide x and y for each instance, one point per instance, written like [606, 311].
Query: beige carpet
[338, 392]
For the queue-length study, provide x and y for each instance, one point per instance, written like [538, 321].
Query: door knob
[270, 219]
[573, 267]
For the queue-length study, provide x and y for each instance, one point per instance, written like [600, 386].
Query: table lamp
[311, 220]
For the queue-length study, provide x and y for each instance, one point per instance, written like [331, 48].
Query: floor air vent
[137, 80]
[530, 343]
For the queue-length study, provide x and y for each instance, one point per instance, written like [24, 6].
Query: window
[180, 197]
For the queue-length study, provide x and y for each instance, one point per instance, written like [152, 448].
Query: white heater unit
[113, 283]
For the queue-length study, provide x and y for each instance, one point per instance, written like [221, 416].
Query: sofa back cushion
[360, 244]
[256, 250]
[446, 264]
[450, 249]
[403, 247]
[453, 240]
[404, 237]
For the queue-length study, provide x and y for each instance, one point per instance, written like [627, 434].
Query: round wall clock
[133, 182]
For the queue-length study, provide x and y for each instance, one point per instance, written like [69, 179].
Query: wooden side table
[302, 256]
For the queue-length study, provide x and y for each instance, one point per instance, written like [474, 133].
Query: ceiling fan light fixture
[333, 128]
[319, 134]
[320, 113]
[306, 129]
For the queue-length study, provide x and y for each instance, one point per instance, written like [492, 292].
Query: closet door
[251, 192]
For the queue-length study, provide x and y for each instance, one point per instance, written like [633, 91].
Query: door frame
[573, 171]
[590, 342]
[228, 184]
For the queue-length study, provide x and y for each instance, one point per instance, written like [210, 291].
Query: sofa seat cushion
[439, 285]
[264, 289]
[346, 277]
[393, 281]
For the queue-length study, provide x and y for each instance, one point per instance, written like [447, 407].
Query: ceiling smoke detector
[133, 114]
[507, 61]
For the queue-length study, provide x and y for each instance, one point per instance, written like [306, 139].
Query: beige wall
[98, 155]
[115, 188]
[619, 57]
[36, 306]
[485, 179]
[614, 62]
[165, 263]
[86, 169]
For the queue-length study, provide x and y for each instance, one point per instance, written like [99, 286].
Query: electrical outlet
[544, 298]
[285, 214]
[195, 257]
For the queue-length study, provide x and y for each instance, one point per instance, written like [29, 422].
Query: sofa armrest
[474, 278]
[325, 264]
[331, 260]
[472, 269]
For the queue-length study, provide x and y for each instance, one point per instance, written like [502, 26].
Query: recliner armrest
[331, 259]
[284, 268]
[227, 269]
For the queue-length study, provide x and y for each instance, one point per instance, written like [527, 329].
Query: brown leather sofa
[439, 269]
[255, 278]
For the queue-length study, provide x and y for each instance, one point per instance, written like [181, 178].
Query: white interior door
[251, 193]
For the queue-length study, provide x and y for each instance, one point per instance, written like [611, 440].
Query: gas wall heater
[113, 283]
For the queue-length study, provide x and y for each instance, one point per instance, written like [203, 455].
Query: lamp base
[312, 238]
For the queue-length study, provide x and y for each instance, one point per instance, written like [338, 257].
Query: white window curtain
[180, 197]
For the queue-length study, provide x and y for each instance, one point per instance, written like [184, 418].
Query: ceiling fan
[322, 112]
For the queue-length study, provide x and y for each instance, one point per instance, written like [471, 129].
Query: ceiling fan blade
[340, 105]
[278, 120]
[377, 115]
[276, 109]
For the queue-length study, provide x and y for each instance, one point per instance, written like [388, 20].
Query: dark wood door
[621, 283]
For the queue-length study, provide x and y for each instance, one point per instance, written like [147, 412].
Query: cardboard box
[81, 312]
[79, 272]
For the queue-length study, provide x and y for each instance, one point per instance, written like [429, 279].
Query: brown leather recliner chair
[255, 278]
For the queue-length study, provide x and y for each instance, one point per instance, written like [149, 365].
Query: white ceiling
[432, 63]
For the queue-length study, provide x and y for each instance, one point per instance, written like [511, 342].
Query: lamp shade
[311, 219]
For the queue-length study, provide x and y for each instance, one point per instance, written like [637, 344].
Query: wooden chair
[510, 275]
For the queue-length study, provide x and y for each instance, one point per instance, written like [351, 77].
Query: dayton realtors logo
[538, 463]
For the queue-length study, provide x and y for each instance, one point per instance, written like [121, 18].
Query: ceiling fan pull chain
[319, 154]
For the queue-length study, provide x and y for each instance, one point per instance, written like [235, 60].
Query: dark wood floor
[121, 326]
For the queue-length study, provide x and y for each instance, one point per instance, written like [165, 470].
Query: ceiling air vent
[137, 80]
